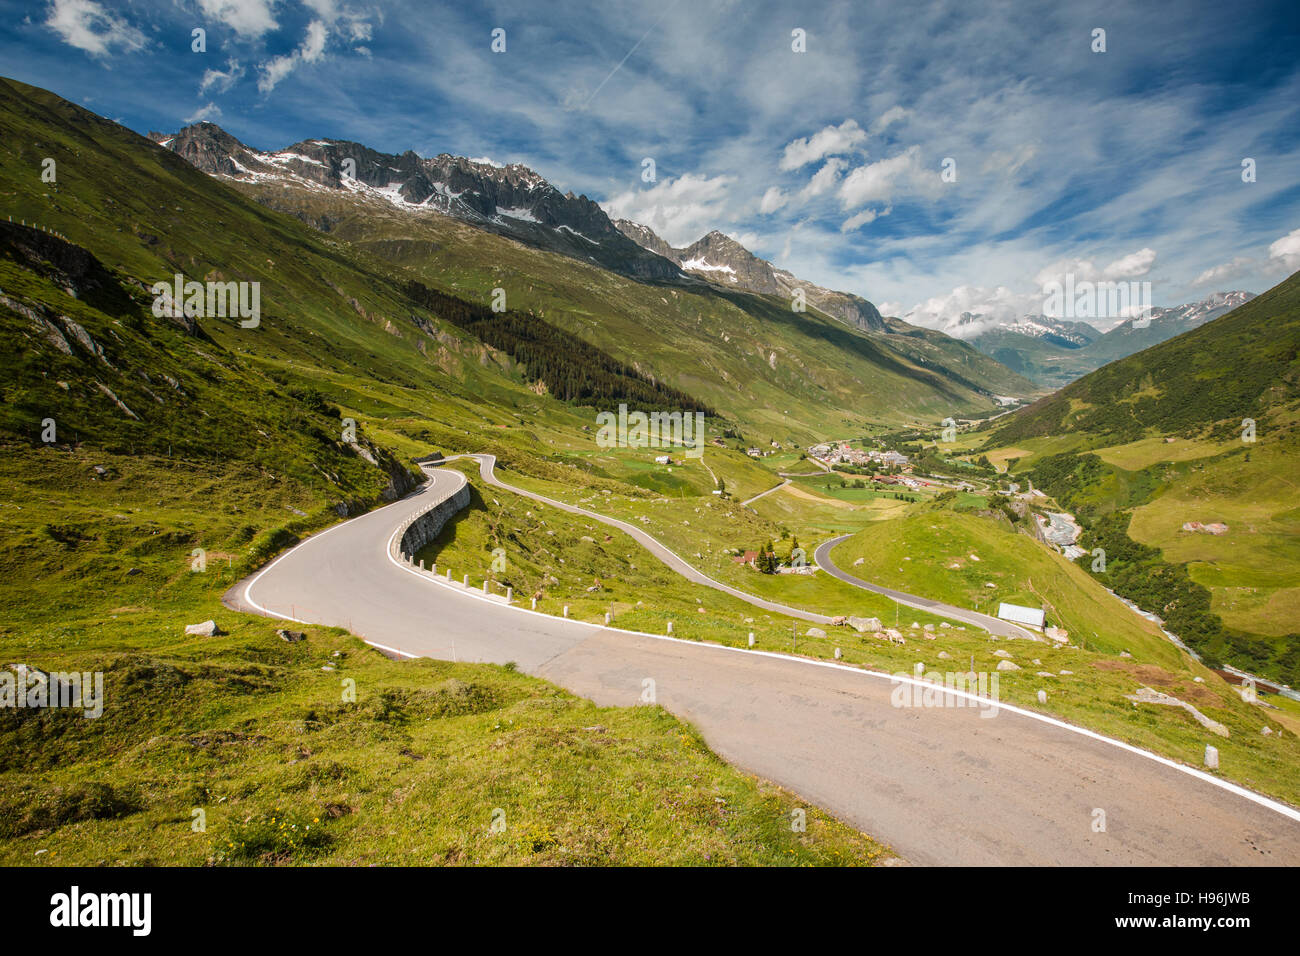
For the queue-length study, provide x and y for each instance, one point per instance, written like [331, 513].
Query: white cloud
[772, 200]
[205, 114]
[1228, 271]
[219, 81]
[1131, 266]
[969, 310]
[332, 22]
[1286, 251]
[360, 30]
[825, 178]
[881, 181]
[87, 26]
[983, 308]
[862, 218]
[888, 118]
[680, 209]
[1009, 162]
[249, 18]
[829, 141]
[311, 50]
[1283, 257]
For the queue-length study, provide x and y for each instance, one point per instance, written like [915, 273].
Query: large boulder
[814, 632]
[206, 629]
[1008, 666]
[865, 625]
[1145, 695]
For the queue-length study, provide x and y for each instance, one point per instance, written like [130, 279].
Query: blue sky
[1121, 164]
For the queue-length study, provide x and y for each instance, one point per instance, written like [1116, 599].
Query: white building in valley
[1024, 616]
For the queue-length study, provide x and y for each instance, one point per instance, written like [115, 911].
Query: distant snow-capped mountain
[511, 200]
[720, 259]
[1063, 332]
[1053, 352]
[1129, 337]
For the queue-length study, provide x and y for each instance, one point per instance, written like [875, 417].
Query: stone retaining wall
[424, 526]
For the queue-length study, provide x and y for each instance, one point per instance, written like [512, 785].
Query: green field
[954, 556]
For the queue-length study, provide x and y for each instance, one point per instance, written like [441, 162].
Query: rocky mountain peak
[719, 258]
[512, 200]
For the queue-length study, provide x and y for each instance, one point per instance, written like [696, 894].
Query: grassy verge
[1088, 687]
[242, 750]
[255, 733]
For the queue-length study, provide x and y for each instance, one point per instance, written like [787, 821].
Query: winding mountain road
[994, 625]
[764, 494]
[941, 784]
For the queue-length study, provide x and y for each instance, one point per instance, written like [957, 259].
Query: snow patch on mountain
[700, 265]
[511, 200]
[522, 213]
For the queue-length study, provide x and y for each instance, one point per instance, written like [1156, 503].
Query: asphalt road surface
[994, 625]
[940, 784]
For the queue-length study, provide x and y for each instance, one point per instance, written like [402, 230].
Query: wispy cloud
[248, 18]
[1061, 155]
[679, 209]
[829, 141]
[206, 113]
[311, 50]
[219, 81]
[87, 26]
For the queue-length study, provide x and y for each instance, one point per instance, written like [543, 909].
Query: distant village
[841, 453]
[898, 465]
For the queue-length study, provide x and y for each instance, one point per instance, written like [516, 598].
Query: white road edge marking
[1257, 798]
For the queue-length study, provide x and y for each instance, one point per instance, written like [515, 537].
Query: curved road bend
[764, 494]
[487, 466]
[942, 785]
[994, 625]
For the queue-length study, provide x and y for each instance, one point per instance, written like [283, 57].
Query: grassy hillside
[241, 750]
[1087, 681]
[148, 463]
[186, 454]
[796, 374]
[1228, 594]
[1241, 365]
[1158, 440]
[1048, 363]
[954, 556]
